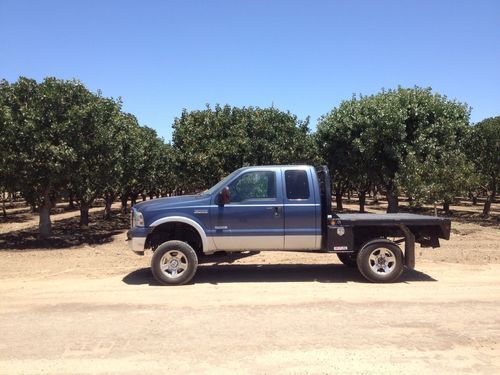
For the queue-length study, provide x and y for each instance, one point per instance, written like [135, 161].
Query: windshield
[220, 184]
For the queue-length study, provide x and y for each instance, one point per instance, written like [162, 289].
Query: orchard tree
[150, 161]
[396, 139]
[212, 143]
[132, 150]
[484, 152]
[276, 137]
[209, 144]
[7, 134]
[96, 141]
[339, 138]
[41, 123]
[436, 132]
[438, 179]
[166, 176]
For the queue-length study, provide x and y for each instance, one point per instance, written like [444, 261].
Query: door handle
[276, 211]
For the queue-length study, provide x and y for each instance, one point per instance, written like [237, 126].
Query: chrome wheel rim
[382, 261]
[173, 264]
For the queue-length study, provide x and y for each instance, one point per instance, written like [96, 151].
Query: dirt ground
[82, 303]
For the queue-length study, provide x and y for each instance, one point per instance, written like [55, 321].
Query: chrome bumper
[136, 244]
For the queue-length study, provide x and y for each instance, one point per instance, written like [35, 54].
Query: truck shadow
[322, 273]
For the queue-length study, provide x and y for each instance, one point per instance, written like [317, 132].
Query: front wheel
[380, 262]
[174, 263]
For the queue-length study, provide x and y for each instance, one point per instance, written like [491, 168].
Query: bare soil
[82, 303]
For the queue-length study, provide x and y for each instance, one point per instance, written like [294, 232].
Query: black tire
[390, 267]
[349, 259]
[174, 263]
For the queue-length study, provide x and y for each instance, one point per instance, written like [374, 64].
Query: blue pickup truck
[280, 208]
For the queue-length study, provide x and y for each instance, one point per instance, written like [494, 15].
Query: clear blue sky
[305, 56]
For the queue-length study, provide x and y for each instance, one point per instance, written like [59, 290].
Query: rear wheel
[174, 263]
[380, 262]
[349, 259]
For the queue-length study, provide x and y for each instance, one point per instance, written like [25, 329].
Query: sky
[301, 56]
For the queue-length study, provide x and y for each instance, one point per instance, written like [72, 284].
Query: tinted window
[297, 186]
[253, 185]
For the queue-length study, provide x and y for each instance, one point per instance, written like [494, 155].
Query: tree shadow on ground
[322, 273]
[20, 216]
[67, 233]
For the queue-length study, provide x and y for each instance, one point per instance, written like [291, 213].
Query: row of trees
[412, 142]
[59, 139]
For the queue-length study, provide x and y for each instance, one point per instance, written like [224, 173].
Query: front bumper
[136, 238]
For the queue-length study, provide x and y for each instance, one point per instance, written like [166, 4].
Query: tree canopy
[211, 143]
[59, 139]
[483, 149]
[399, 140]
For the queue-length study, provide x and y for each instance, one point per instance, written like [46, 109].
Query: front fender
[208, 244]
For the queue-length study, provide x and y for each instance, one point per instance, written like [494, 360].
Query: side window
[253, 185]
[297, 185]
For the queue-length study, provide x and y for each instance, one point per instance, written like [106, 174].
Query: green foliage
[150, 159]
[211, 143]
[41, 128]
[8, 181]
[58, 136]
[96, 140]
[403, 140]
[483, 149]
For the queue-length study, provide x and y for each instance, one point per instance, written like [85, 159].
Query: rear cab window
[297, 184]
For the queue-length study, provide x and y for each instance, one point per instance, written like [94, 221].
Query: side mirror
[224, 196]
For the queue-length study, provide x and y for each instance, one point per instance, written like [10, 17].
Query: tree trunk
[133, 199]
[487, 205]
[45, 225]
[375, 195]
[71, 201]
[435, 209]
[411, 201]
[3, 206]
[84, 214]
[123, 208]
[446, 207]
[151, 194]
[144, 196]
[392, 199]
[474, 200]
[338, 199]
[362, 201]
[109, 199]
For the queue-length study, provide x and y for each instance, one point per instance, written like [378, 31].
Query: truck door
[301, 209]
[253, 220]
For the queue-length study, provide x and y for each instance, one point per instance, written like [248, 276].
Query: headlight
[137, 219]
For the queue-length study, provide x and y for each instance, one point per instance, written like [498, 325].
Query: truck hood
[180, 201]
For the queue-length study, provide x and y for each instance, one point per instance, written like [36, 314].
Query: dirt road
[95, 309]
[251, 318]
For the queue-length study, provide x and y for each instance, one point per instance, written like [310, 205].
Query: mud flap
[409, 246]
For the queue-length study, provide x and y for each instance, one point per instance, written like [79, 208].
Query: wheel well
[175, 231]
[374, 240]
